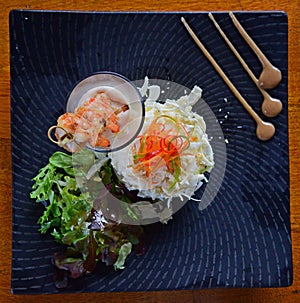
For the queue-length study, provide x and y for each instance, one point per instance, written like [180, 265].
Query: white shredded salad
[194, 161]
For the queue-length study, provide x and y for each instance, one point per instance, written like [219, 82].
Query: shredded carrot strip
[162, 145]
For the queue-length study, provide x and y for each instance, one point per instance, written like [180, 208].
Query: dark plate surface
[243, 238]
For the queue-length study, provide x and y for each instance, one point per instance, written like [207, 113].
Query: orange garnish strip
[160, 146]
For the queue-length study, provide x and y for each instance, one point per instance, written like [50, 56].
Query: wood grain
[287, 295]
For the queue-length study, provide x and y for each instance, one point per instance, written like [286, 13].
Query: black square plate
[243, 238]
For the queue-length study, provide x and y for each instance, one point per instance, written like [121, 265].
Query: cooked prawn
[89, 121]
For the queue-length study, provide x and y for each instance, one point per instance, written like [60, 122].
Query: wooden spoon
[271, 107]
[270, 75]
[264, 130]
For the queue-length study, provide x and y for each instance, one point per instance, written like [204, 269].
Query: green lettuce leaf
[70, 218]
[125, 250]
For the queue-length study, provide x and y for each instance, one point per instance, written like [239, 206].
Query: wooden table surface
[287, 295]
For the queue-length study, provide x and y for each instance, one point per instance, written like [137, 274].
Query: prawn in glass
[88, 124]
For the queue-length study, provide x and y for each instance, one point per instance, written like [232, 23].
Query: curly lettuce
[70, 217]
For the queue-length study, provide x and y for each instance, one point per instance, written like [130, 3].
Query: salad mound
[170, 157]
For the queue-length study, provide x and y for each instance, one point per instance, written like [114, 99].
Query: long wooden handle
[221, 73]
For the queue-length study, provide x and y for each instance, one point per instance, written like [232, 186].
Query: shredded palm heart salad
[170, 156]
